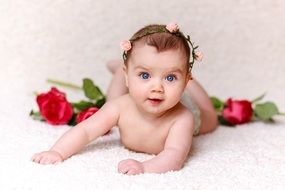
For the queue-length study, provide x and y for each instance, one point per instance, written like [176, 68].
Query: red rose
[237, 111]
[86, 113]
[54, 107]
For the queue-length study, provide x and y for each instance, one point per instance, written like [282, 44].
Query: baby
[153, 100]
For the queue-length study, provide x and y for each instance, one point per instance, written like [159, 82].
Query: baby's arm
[80, 135]
[176, 148]
[173, 156]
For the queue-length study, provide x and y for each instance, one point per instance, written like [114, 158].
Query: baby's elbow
[214, 122]
[178, 162]
[177, 166]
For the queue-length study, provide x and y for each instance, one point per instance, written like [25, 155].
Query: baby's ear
[126, 76]
[189, 76]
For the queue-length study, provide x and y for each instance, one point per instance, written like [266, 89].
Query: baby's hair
[161, 41]
[157, 36]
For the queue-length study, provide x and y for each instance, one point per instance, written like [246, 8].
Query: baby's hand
[47, 157]
[130, 167]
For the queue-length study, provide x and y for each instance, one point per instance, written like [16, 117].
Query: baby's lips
[155, 101]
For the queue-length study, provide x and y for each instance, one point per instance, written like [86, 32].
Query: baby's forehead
[158, 66]
[142, 51]
[148, 56]
[158, 69]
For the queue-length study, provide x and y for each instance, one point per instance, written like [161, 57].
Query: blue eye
[170, 78]
[144, 76]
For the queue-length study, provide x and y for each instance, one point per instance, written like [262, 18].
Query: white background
[243, 41]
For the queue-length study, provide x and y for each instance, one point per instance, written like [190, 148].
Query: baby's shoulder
[183, 110]
[183, 114]
[120, 102]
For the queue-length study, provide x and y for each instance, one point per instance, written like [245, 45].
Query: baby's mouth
[155, 101]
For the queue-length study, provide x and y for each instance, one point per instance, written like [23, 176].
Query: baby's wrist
[58, 153]
[144, 167]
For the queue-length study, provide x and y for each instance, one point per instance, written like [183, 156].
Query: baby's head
[158, 62]
[162, 38]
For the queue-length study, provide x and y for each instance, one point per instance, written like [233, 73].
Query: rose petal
[172, 27]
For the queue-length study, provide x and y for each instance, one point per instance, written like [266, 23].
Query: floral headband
[171, 28]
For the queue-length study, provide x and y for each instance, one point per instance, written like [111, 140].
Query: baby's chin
[156, 108]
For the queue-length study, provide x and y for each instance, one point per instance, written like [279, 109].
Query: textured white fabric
[187, 101]
[244, 47]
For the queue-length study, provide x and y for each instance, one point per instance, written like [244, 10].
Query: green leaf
[82, 105]
[266, 111]
[91, 91]
[36, 115]
[259, 98]
[99, 103]
[72, 121]
[217, 103]
[223, 122]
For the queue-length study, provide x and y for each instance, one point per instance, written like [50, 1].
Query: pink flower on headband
[198, 55]
[172, 27]
[126, 45]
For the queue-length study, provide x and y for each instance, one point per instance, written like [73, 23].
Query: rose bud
[126, 45]
[237, 111]
[54, 107]
[172, 27]
[198, 55]
[86, 114]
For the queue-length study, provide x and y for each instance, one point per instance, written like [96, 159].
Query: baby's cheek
[137, 90]
[174, 98]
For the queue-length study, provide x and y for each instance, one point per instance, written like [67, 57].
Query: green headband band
[171, 28]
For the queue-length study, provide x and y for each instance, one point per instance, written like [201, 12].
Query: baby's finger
[122, 164]
[57, 162]
[49, 161]
[37, 158]
[44, 160]
[123, 170]
[34, 157]
[132, 171]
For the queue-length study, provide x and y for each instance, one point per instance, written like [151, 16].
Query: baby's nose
[157, 86]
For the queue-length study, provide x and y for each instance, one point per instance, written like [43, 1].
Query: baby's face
[155, 80]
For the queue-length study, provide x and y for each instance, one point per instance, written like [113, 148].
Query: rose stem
[69, 85]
